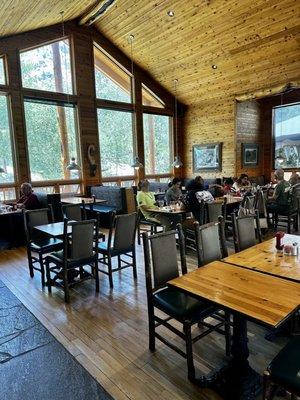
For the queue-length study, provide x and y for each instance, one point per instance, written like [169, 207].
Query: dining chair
[142, 222]
[161, 265]
[246, 231]
[214, 210]
[290, 216]
[74, 212]
[77, 212]
[210, 241]
[260, 204]
[37, 243]
[80, 249]
[283, 371]
[120, 242]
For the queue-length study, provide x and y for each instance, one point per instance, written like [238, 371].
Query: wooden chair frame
[236, 230]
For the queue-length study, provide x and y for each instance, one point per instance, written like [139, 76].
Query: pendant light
[177, 162]
[136, 162]
[73, 166]
[2, 170]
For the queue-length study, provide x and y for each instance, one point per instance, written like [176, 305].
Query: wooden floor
[107, 333]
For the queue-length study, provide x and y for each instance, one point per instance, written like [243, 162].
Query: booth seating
[118, 199]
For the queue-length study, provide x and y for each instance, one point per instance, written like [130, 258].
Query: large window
[112, 82]
[286, 130]
[6, 154]
[116, 142]
[2, 72]
[157, 142]
[52, 140]
[48, 68]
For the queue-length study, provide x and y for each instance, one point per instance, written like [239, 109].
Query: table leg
[237, 380]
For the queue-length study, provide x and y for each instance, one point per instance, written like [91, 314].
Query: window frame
[294, 169]
[54, 182]
[72, 68]
[171, 138]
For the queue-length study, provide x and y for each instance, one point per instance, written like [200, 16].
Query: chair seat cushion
[181, 306]
[57, 257]
[103, 249]
[285, 367]
[46, 245]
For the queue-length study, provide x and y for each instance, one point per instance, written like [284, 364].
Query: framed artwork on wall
[207, 157]
[250, 154]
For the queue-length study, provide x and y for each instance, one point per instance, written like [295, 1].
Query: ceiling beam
[96, 12]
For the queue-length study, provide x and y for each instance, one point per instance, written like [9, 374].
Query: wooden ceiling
[24, 15]
[254, 44]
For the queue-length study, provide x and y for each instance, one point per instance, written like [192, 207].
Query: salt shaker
[295, 249]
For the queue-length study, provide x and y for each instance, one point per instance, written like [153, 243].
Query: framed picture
[250, 154]
[207, 157]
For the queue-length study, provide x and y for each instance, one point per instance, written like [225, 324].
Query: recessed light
[214, 66]
[170, 13]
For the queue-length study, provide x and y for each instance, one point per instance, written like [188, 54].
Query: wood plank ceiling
[18, 16]
[254, 44]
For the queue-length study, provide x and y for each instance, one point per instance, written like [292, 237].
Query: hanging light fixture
[136, 162]
[177, 162]
[280, 158]
[73, 166]
[2, 170]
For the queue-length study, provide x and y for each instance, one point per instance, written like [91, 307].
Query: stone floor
[33, 364]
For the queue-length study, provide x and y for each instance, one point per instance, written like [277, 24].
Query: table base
[233, 382]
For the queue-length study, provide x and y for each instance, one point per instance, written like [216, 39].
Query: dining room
[149, 200]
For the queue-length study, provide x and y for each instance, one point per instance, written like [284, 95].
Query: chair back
[214, 210]
[33, 218]
[210, 241]
[293, 197]
[80, 244]
[74, 212]
[54, 199]
[246, 231]
[260, 203]
[125, 230]
[160, 254]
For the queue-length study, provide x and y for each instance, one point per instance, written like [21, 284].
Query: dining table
[265, 258]
[80, 199]
[56, 229]
[248, 295]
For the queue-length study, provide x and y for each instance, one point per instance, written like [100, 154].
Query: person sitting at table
[195, 184]
[294, 179]
[146, 203]
[228, 183]
[242, 183]
[28, 199]
[216, 189]
[280, 199]
[174, 192]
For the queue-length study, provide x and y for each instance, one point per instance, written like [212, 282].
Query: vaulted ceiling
[253, 44]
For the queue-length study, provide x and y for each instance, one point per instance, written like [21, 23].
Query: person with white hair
[28, 199]
[279, 202]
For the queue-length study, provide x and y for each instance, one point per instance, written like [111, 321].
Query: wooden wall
[249, 130]
[81, 39]
[210, 122]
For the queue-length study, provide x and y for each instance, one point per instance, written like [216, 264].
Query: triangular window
[149, 98]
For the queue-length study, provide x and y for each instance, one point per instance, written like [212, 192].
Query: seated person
[148, 207]
[228, 183]
[279, 201]
[216, 189]
[195, 184]
[28, 199]
[242, 184]
[174, 192]
[294, 179]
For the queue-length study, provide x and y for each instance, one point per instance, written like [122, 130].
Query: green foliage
[107, 89]
[116, 142]
[159, 124]
[6, 161]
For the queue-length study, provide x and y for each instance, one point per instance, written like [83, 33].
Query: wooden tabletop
[264, 298]
[230, 200]
[79, 200]
[55, 230]
[265, 258]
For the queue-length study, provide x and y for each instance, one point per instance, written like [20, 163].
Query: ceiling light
[170, 13]
[214, 66]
